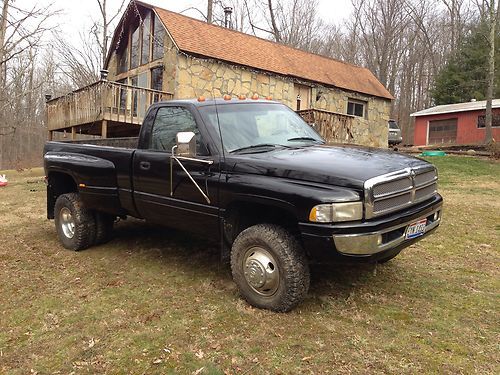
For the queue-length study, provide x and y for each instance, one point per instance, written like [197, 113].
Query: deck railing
[333, 127]
[102, 100]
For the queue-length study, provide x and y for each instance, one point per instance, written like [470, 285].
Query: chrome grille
[397, 190]
[388, 204]
[426, 191]
[392, 187]
[423, 178]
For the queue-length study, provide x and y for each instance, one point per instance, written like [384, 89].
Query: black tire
[104, 227]
[83, 232]
[258, 252]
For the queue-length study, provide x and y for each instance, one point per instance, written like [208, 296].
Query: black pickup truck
[254, 176]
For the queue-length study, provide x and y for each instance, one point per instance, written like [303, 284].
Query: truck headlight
[332, 212]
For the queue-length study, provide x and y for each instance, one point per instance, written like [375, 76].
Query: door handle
[144, 165]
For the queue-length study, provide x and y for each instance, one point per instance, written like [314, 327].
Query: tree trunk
[3, 28]
[104, 34]
[210, 7]
[276, 32]
[491, 74]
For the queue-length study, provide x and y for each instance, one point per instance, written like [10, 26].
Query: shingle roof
[458, 107]
[196, 37]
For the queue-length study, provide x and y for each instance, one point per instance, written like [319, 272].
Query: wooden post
[50, 136]
[73, 133]
[104, 129]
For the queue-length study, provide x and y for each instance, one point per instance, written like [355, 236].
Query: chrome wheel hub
[67, 222]
[261, 271]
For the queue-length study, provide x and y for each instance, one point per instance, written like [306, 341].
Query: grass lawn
[158, 301]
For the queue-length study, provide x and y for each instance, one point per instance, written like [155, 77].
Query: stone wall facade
[371, 130]
[210, 78]
[196, 77]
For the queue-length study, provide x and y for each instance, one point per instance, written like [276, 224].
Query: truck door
[174, 200]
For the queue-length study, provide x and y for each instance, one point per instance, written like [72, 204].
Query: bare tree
[15, 35]
[100, 28]
[21, 37]
[78, 64]
[492, 20]
[272, 20]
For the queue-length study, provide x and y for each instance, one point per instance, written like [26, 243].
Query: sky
[76, 15]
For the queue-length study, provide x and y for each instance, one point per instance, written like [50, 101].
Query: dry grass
[157, 301]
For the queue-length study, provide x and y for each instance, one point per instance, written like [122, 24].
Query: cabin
[455, 124]
[156, 54]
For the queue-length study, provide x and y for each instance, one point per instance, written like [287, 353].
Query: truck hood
[348, 166]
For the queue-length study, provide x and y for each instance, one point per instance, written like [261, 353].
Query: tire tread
[293, 263]
[85, 226]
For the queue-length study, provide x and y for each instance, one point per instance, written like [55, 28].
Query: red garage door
[443, 131]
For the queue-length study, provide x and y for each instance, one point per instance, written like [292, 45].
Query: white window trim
[428, 130]
[358, 101]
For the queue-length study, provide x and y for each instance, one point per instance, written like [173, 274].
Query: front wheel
[75, 225]
[270, 268]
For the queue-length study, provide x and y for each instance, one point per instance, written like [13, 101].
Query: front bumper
[375, 242]
[370, 240]
[395, 140]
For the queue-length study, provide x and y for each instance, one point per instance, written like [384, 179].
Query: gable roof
[458, 107]
[199, 38]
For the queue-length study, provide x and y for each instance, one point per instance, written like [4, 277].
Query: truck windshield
[259, 127]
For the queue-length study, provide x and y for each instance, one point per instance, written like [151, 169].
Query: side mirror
[186, 144]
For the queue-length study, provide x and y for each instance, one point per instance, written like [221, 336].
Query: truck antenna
[218, 125]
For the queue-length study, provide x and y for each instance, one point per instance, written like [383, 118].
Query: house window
[123, 95]
[142, 43]
[123, 60]
[134, 48]
[134, 81]
[356, 107]
[146, 39]
[158, 39]
[495, 121]
[157, 81]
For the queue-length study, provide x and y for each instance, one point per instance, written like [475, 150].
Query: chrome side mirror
[186, 144]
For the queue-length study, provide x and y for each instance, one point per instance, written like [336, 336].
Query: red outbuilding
[461, 124]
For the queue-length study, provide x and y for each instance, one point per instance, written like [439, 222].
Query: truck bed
[103, 173]
[123, 142]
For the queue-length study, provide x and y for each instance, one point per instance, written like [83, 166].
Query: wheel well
[242, 215]
[58, 183]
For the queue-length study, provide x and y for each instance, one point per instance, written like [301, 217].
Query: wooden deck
[333, 127]
[110, 109]
[103, 108]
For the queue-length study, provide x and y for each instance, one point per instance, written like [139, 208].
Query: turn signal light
[255, 96]
[242, 97]
[227, 97]
[334, 212]
[201, 99]
[269, 98]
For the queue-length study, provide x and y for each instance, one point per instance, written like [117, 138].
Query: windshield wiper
[304, 139]
[261, 145]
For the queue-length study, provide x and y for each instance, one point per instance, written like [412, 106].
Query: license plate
[416, 229]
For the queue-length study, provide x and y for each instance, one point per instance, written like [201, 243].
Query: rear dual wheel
[78, 227]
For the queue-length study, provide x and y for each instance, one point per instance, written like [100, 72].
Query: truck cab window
[168, 122]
